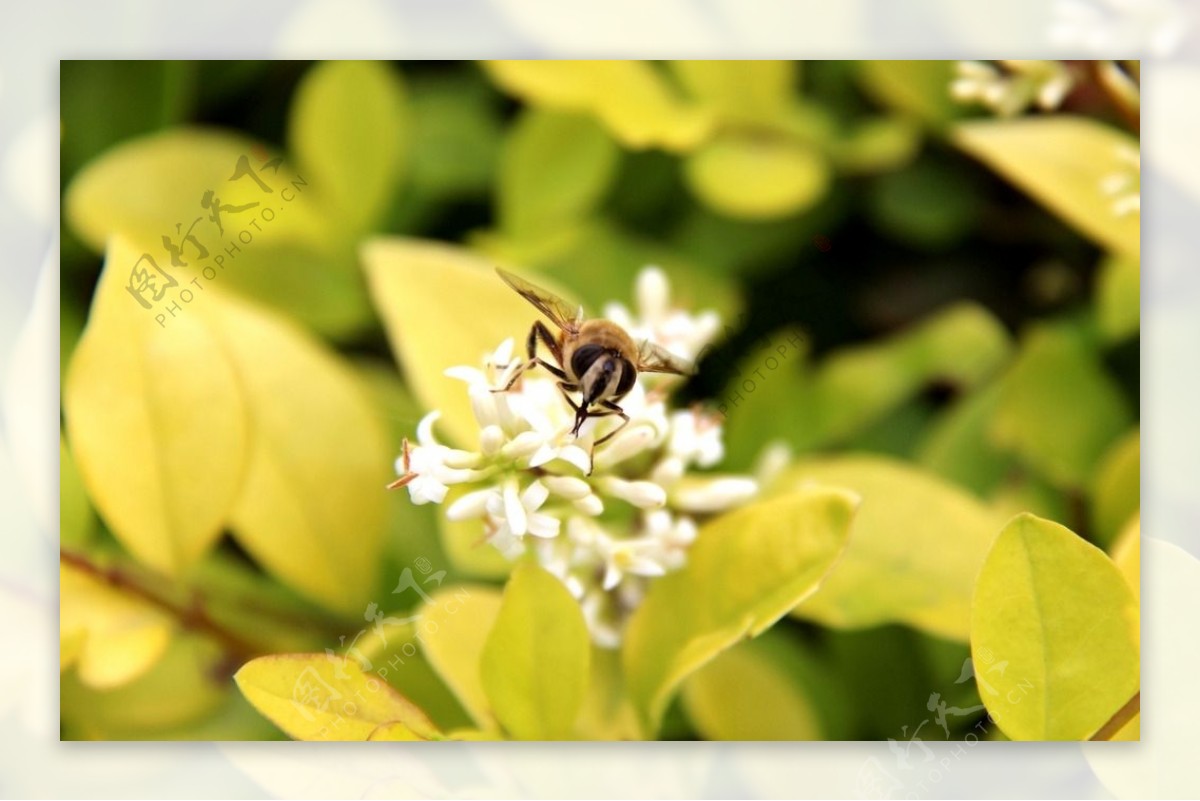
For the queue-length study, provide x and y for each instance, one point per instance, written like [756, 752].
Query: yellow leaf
[396, 732]
[317, 697]
[183, 686]
[915, 546]
[76, 522]
[116, 637]
[443, 306]
[454, 627]
[157, 422]
[1063, 162]
[752, 692]
[1127, 554]
[753, 91]
[1057, 622]
[757, 178]
[1115, 491]
[535, 662]
[745, 571]
[312, 507]
[629, 97]
[141, 189]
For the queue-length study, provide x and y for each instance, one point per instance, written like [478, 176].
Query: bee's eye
[584, 357]
[628, 376]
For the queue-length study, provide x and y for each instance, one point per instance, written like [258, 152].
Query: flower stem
[1122, 717]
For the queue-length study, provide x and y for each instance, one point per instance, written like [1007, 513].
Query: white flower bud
[642, 494]
[713, 495]
[569, 487]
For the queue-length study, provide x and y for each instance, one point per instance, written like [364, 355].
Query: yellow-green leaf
[1118, 298]
[757, 178]
[554, 169]
[745, 571]
[349, 129]
[956, 445]
[181, 687]
[312, 506]
[630, 98]
[750, 91]
[454, 626]
[443, 306]
[1063, 162]
[915, 546]
[607, 713]
[754, 691]
[1127, 554]
[1059, 410]
[76, 522]
[157, 422]
[318, 697]
[396, 732]
[1116, 488]
[114, 636]
[1057, 611]
[917, 87]
[535, 661]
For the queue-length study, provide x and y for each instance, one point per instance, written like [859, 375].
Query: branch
[1118, 721]
[193, 616]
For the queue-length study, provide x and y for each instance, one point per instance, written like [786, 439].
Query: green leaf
[1062, 161]
[928, 204]
[768, 688]
[349, 129]
[161, 465]
[919, 88]
[77, 524]
[747, 91]
[878, 144]
[1059, 613]
[312, 506]
[1059, 410]
[630, 98]
[1118, 298]
[535, 662]
[316, 697]
[455, 624]
[1116, 488]
[956, 447]
[756, 178]
[111, 636]
[915, 546]
[443, 306]
[855, 386]
[554, 169]
[745, 571]
[456, 134]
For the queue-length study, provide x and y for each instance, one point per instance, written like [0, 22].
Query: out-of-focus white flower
[1010, 87]
[605, 520]
[678, 331]
[1124, 185]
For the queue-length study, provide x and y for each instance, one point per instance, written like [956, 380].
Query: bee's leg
[610, 408]
[538, 331]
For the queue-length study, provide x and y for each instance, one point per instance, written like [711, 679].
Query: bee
[596, 358]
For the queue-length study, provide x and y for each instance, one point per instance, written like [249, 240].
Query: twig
[1118, 721]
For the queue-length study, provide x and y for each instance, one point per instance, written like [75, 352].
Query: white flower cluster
[605, 522]
[1013, 86]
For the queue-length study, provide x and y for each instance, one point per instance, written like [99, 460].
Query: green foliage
[1060, 615]
[1062, 162]
[886, 363]
[535, 661]
[915, 546]
[768, 557]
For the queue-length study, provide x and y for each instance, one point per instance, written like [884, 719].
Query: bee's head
[602, 372]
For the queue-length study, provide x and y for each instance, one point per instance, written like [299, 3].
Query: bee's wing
[654, 358]
[563, 314]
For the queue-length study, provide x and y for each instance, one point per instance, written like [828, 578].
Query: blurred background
[955, 313]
